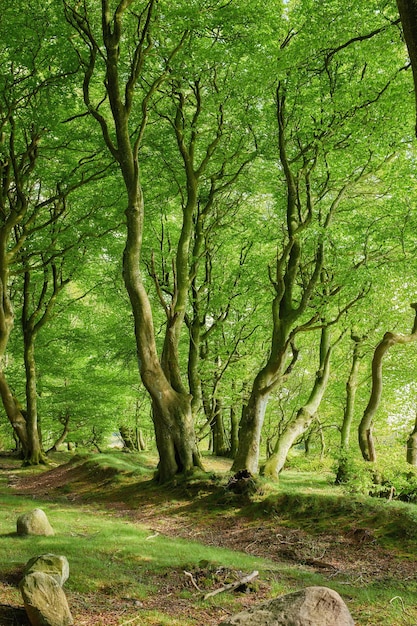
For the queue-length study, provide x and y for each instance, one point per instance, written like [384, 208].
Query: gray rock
[34, 523]
[52, 564]
[45, 601]
[313, 606]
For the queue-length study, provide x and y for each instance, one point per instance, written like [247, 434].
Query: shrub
[388, 478]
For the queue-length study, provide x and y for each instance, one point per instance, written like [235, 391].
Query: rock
[52, 564]
[45, 601]
[34, 523]
[313, 606]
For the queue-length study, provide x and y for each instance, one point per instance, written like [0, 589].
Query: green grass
[99, 547]
[109, 556]
[118, 562]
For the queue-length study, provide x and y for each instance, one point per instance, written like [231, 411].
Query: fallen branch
[152, 536]
[232, 586]
[192, 579]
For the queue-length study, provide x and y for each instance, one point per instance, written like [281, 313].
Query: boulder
[45, 601]
[52, 564]
[313, 606]
[34, 523]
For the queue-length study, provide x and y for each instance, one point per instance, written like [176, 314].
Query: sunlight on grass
[122, 561]
[101, 548]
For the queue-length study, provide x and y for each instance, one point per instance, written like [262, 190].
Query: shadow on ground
[13, 616]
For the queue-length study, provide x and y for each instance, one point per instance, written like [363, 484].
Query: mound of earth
[191, 514]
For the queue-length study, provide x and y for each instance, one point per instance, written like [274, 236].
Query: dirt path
[353, 558]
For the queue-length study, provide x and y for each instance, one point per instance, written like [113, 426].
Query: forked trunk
[172, 416]
[175, 436]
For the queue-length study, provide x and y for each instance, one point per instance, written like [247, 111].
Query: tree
[408, 15]
[124, 71]
[366, 440]
[318, 183]
[199, 133]
[307, 413]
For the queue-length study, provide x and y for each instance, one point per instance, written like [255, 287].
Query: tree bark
[365, 435]
[34, 454]
[15, 414]
[305, 415]
[408, 16]
[351, 388]
[10, 403]
[250, 427]
[412, 446]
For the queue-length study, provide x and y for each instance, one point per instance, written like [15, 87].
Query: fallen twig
[402, 605]
[232, 586]
[192, 579]
[152, 536]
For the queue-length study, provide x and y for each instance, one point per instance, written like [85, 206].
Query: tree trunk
[34, 454]
[220, 440]
[15, 414]
[10, 404]
[129, 437]
[365, 436]
[140, 440]
[408, 15]
[172, 415]
[305, 415]
[322, 440]
[65, 422]
[250, 427]
[194, 380]
[234, 431]
[175, 436]
[412, 446]
[351, 388]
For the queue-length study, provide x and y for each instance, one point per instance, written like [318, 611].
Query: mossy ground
[138, 551]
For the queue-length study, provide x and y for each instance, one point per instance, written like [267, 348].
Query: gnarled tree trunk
[172, 415]
[11, 406]
[365, 435]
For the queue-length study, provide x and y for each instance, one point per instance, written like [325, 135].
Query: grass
[123, 571]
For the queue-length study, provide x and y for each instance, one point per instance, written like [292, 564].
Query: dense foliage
[247, 172]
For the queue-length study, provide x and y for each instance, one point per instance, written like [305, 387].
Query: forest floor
[318, 542]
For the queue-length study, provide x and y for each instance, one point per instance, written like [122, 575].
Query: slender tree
[365, 435]
[306, 414]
